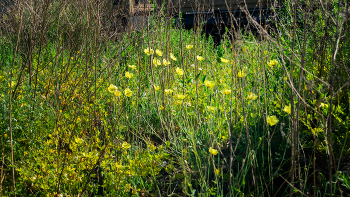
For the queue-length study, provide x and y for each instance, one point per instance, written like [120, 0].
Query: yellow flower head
[78, 140]
[128, 92]
[148, 51]
[252, 96]
[189, 46]
[272, 63]
[287, 109]
[272, 120]
[159, 53]
[125, 145]
[156, 62]
[128, 75]
[179, 71]
[117, 93]
[168, 91]
[224, 60]
[156, 87]
[112, 88]
[241, 74]
[324, 105]
[181, 96]
[165, 62]
[213, 151]
[200, 58]
[161, 107]
[211, 108]
[173, 57]
[132, 67]
[226, 91]
[209, 84]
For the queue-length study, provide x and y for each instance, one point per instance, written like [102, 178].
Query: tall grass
[92, 107]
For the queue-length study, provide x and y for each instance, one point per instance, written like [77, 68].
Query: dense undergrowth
[87, 109]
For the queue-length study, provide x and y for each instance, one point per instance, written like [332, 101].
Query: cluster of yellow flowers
[114, 89]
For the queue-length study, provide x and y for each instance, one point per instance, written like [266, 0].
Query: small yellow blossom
[5, 135]
[272, 63]
[165, 62]
[226, 91]
[168, 91]
[132, 67]
[117, 93]
[323, 105]
[125, 145]
[189, 46]
[287, 109]
[78, 140]
[128, 75]
[148, 51]
[173, 57]
[128, 92]
[213, 151]
[252, 96]
[156, 62]
[156, 87]
[161, 107]
[209, 84]
[179, 71]
[224, 60]
[241, 74]
[217, 171]
[211, 108]
[272, 120]
[112, 88]
[159, 53]
[181, 96]
[200, 58]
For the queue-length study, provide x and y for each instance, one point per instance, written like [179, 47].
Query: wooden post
[131, 14]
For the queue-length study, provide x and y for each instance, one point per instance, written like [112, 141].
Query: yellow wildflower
[200, 58]
[112, 88]
[272, 120]
[156, 87]
[128, 75]
[128, 92]
[179, 71]
[189, 46]
[161, 107]
[159, 53]
[125, 145]
[241, 74]
[224, 60]
[209, 84]
[156, 62]
[165, 62]
[287, 109]
[217, 171]
[5, 135]
[173, 57]
[213, 151]
[181, 96]
[226, 91]
[78, 140]
[252, 96]
[148, 51]
[117, 93]
[323, 105]
[168, 91]
[272, 63]
[211, 108]
[132, 67]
